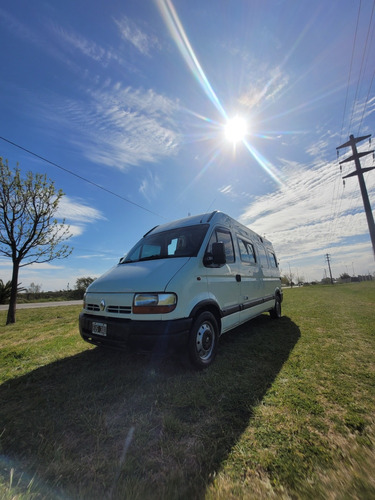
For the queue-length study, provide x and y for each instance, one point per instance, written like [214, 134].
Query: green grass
[287, 409]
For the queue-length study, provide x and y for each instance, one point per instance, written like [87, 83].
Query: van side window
[272, 259]
[226, 238]
[262, 256]
[247, 252]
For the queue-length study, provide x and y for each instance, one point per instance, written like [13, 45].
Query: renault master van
[183, 285]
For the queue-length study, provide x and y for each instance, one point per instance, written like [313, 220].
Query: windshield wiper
[152, 257]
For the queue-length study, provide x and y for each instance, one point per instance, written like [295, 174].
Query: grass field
[286, 411]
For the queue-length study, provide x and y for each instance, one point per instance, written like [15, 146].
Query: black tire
[275, 313]
[203, 340]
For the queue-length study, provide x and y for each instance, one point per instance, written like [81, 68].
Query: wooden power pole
[329, 267]
[359, 171]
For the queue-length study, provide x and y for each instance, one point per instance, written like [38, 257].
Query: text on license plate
[99, 328]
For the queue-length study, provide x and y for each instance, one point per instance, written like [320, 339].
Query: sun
[235, 129]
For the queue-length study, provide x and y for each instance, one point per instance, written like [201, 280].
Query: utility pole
[359, 172]
[329, 266]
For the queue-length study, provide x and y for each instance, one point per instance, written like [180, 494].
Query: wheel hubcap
[205, 341]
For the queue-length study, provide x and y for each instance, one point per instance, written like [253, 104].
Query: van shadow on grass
[111, 424]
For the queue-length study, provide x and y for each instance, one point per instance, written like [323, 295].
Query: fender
[208, 304]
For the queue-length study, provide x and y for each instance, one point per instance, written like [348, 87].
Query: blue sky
[134, 96]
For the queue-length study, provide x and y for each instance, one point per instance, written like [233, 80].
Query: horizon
[146, 112]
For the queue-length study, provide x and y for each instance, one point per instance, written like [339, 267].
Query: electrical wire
[366, 102]
[361, 68]
[370, 86]
[337, 200]
[350, 70]
[80, 177]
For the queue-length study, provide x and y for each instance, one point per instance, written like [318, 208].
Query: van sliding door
[252, 288]
[268, 275]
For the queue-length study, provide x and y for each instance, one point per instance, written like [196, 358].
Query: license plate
[99, 328]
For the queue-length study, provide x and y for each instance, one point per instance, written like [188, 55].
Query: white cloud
[5, 263]
[34, 36]
[18, 28]
[94, 256]
[43, 266]
[74, 230]
[311, 215]
[87, 47]
[226, 189]
[263, 87]
[150, 186]
[120, 127]
[76, 211]
[142, 41]
[77, 215]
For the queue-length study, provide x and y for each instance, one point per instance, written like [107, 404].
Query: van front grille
[92, 307]
[119, 309]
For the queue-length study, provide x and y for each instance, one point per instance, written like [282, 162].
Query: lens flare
[264, 163]
[177, 31]
[235, 129]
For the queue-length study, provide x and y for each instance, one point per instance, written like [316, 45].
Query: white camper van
[184, 284]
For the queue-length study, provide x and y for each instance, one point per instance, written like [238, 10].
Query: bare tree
[29, 232]
[34, 288]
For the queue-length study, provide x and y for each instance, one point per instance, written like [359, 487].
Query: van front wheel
[203, 340]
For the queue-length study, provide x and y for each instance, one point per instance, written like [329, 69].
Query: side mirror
[218, 253]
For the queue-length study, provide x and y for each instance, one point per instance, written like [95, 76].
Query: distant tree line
[286, 280]
[34, 292]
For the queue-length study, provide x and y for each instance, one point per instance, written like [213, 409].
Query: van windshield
[178, 242]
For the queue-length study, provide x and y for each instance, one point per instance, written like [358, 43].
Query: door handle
[238, 277]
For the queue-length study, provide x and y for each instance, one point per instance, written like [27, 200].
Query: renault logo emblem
[102, 305]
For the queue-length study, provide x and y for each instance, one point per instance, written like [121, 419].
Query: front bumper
[148, 335]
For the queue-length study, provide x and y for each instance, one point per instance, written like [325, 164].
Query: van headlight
[154, 303]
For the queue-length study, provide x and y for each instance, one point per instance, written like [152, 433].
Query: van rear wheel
[275, 313]
[203, 340]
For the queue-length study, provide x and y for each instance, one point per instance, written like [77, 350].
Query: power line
[80, 177]
[335, 199]
[362, 61]
[350, 69]
[372, 79]
[366, 102]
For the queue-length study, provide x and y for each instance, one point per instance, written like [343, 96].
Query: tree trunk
[11, 318]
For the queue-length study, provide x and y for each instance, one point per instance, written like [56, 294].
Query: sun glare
[235, 129]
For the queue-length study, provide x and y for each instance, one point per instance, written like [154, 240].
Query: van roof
[209, 217]
[187, 221]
